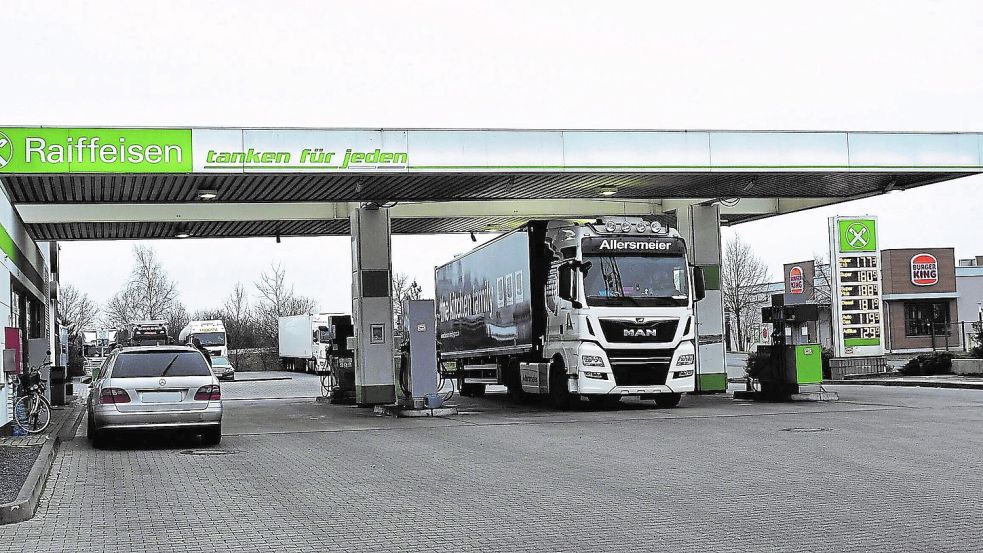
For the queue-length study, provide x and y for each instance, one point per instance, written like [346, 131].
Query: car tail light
[114, 395]
[208, 393]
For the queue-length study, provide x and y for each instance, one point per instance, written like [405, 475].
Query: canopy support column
[700, 227]
[372, 311]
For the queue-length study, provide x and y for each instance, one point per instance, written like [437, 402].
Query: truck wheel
[667, 401]
[559, 396]
[512, 379]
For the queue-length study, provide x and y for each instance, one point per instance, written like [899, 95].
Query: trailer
[304, 341]
[569, 309]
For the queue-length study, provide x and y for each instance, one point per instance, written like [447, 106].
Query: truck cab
[620, 301]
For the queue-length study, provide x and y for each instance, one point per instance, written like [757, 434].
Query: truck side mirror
[568, 284]
[699, 284]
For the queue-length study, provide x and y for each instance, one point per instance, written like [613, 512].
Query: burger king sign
[924, 269]
[795, 280]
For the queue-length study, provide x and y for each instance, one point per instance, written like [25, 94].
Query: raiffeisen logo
[6, 150]
[634, 245]
[60, 150]
[93, 150]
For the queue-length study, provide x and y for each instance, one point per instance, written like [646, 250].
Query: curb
[24, 506]
[908, 383]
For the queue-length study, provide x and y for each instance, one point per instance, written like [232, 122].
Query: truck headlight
[592, 360]
[598, 376]
[683, 374]
[686, 359]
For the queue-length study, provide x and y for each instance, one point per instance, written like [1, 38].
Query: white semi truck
[211, 334]
[303, 340]
[600, 309]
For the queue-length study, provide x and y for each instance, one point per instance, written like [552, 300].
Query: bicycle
[32, 411]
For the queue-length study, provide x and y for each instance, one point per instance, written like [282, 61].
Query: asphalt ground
[884, 469]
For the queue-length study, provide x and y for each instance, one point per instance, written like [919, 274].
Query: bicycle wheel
[32, 413]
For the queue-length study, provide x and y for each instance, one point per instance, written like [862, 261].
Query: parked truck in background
[302, 342]
[147, 333]
[211, 334]
[600, 309]
[96, 345]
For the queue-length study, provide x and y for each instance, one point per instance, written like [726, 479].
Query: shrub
[756, 363]
[827, 355]
[977, 351]
[928, 364]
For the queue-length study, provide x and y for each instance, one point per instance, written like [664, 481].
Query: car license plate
[161, 397]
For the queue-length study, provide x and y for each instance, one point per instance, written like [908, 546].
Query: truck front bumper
[597, 375]
[591, 386]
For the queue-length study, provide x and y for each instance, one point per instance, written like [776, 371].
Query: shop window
[924, 318]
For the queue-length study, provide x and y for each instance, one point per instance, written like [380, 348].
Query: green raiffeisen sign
[857, 235]
[858, 323]
[56, 150]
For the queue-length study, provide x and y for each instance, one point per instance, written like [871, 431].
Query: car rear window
[159, 363]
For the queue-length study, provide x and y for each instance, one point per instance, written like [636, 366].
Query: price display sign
[857, 316]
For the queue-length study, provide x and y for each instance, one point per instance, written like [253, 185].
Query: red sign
[796, 284]
[924, 269]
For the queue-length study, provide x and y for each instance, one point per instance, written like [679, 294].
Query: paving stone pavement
[882, 470]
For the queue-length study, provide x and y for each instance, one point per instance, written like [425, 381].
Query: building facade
[25, 302]
[920, 300]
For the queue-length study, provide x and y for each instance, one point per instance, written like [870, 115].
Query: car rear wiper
[169, 365]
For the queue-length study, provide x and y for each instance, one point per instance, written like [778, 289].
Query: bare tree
[76, 310]
[120, 309]
[743, 278]
[239, 323]
[823, 289]
[277, 299]
[403, 289]
[148, 294]
[154, 291]
[177, 318]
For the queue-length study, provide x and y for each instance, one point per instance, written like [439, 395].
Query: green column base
[711, 383]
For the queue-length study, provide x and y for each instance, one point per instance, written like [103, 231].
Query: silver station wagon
[155, 387]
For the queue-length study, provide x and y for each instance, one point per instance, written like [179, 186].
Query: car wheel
[667, 401]
[90, 428]
[99, 438]
[213, 436]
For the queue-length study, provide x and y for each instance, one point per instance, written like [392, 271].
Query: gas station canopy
[101, 183]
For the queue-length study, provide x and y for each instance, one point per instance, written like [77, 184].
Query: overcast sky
[834, 65]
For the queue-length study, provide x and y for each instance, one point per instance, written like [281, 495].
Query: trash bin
[56, 387]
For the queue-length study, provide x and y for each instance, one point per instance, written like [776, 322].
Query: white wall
[14, 227]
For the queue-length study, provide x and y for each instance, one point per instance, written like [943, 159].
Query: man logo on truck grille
[6, 150]
[635, 332]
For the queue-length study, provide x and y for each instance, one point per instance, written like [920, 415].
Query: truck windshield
[211, 338]
[636, 280]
